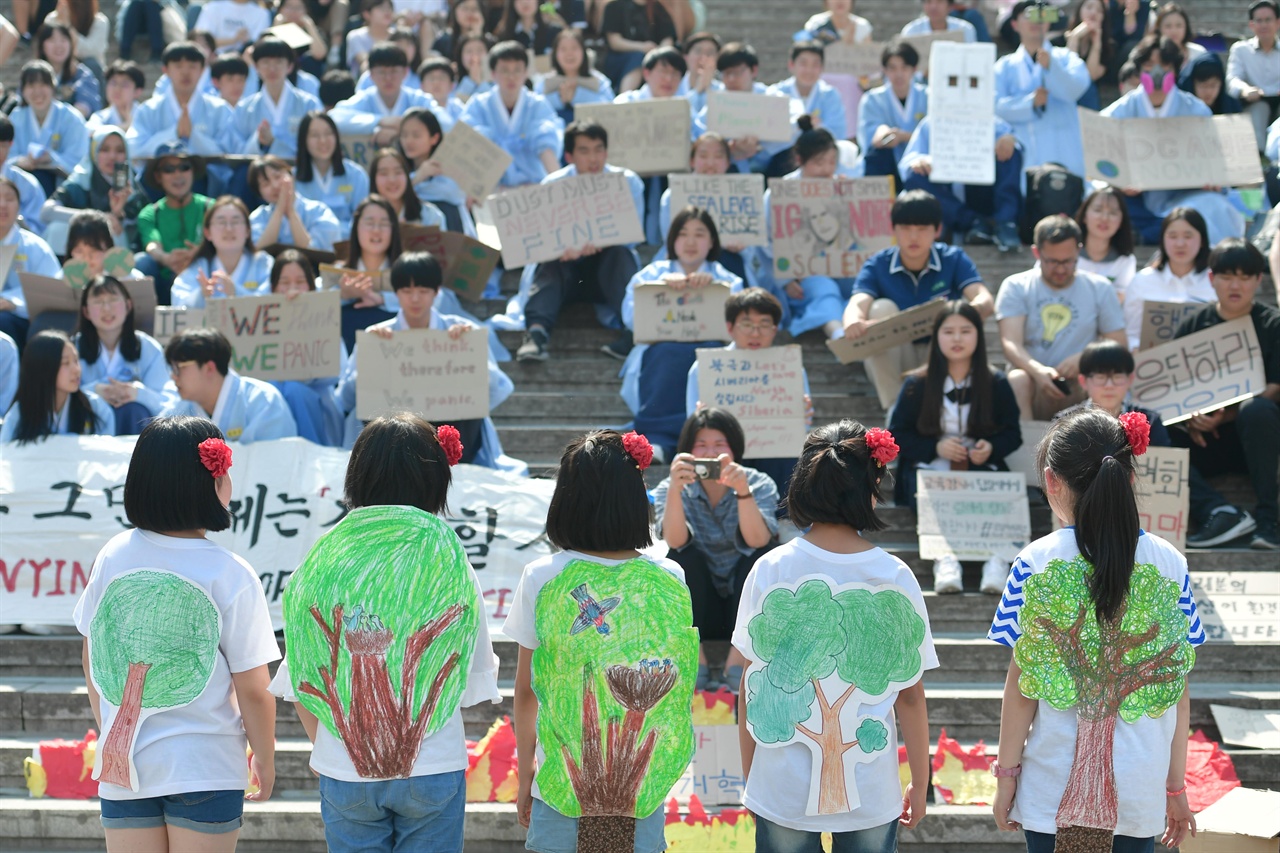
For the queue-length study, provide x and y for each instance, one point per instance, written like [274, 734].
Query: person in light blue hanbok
[438, 79]
[472, 59]
[710, 157]
[889, 114]
[1158, 61]
[575, 81]
[390, 177]
[226, 264]
[204, 124]
[738, 66]
[29, 189]
[8, 372]
[286, 216]
[49, 399]
[420, 134]
[322, 174]
[817, 98]
[936, 19]
[124, 84]
[268, 119]
[49, 137]
[32, 254]
[76, 84]
[245, 409]
[376, 112]
[404, 39]
[516, 120]
[701, 50]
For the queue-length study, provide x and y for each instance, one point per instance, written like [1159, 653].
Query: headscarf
[82, 175]
[1226, 102]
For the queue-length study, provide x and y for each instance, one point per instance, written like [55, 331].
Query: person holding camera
[717, 517]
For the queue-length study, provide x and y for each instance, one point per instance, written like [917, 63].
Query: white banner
[62, 499]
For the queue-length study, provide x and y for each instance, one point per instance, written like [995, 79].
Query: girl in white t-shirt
[1102, 623]
[177, 642]
[1107, 244]
[834, 491]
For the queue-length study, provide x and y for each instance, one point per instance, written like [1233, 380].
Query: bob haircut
[712, 418]
[1104, 358]
[35, 71]
[1122, 240]
[508, 51]
[916, 207]
[680, 219]
[1192, 217]
[398, 461]
[35, 403]
[168, 488]
[1164, 51]
[262, 166]
[427, 119]
[1236, 256]
[180, 51]
[305, 171]
[207, 249]
[87, 343]
[200, 345]
[667, 56]
[228, 63]
[89, 227]
[355, 251]
[416, 269]
[600, 502]
[755, 299]
[270, 46]
[292, 256]
[836, 480]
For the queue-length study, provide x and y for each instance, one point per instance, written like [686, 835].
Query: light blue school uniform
[252, 277]
[314, 404]
[490, 454]
[8, 372]
[31, 195]
[824, 103]
[308, 83]
[283, 117]
[881, 107]
[33, 256]
[581, 94]
[768, 150]
[1222, 218]
[692, 397]
[921, 27]
[104, 419]
[466, 89]
[529, 129]
[155, 123]
[360, 114]
[1049, 134]
[697, 100]
[340, 193]
[412, 81]
[156, 393]
[64, 135]
[107, 116]
[655, 272]
[445, 190]
[322, 226]
[247, 410]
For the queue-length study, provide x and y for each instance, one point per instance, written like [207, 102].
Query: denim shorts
[552, 832]
[421, 814]
[774, 838]
[210, 812]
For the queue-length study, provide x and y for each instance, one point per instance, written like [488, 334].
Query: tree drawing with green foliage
[613, 673]
[153, 643]
[388, 590]
[1133, 666]
[868, 638]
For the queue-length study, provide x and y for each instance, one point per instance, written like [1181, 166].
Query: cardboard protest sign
[55, 294]
[1202, 372]
[291, 34]
[1160, 320]
[971, 515]
[1238, 607]
[1259, 729]
[331, 277]
[888, 333]
[486, 231]
[962, 146]
[828, 227]
[1175, 153]
[470, 159]
[861, 60]
[467, 263]
[1164, 492]
[1245, 820]
[357, 148]
[541, 222]
[735, 202]
[276, 338]
[924, 46]
[764, 389]
[424, 371]
[7, 254]
[552, 82]
[315, 256]
[735, 115]
[171, 320]
[647, 137]
[663, 313]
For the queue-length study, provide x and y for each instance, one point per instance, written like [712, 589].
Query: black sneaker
[533, 347]
[1007, 239]
[620, 346]
[1221, 528]
[979, 235]
[1266, 539]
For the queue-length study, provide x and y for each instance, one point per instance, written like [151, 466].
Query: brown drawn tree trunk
[833, 795]
[1090, 797]
[118, 744]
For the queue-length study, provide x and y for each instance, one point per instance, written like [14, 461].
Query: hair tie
[1137, 430]
[638, 448]
[216, 456]
[450, 442]
[881, 446]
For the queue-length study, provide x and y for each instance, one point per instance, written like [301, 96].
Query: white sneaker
[995, 574]
[46, 630]
[946, 576]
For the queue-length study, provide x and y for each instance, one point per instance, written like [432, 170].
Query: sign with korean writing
[962, 104]
[971, 515]
[467, 263]
[543, 221]
[888, 333]
[828, 227]
[427, 371]
[1160, 320]
[1238, 607]
[276, 338]
[648, 137]
[735, 202]
[1174, 153]
[715, 774]
[1208, 370]
[735, 115]
[1164, 492]
[764, 389]
[63, 499]
[174, 319]
[475, 163]
[663, 313]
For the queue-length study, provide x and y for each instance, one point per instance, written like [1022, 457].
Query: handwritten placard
[1238, 607]
[663, 313]
[541, 222]
[735, 202]
[1202, 372]
[828, 227]
[971, 515]
[1160, 320]
[861, 60]
[475, 163]
[331, 277]
[1164, 492]
[552, 82]
[764, 389]
[173, 320]
[924, 45]
[715, 774]
[424, 371]
[358, 148]
[735, 115]
[962, 96]
[888, 333]
[44, 293]
[648, 137]
[276, 338]
[467, 263]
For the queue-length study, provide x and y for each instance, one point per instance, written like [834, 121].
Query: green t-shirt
[172, 227]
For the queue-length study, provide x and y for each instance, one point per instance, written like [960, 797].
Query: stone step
[607, 406]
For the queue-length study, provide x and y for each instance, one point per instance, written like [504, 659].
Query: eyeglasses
[1063, 264]
[170, 168]
[110, 302]
[176, 368]
[376, 224]
[1116, 379]
[755, 328]
[226, 222]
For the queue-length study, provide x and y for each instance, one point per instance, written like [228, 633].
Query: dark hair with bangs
[168, 489]
[916, 207]
[409, 200]
[684, 216]
[304, 169]
[1237, 256]
[398, 461]
[87, 340]
[416, 269]
[981, 420]
[737, 53]
[1122, 240]
[1192, 217]
[836, 480]
[355, 250]
[755, 299]
[35, 403]
[721, 420]
[600, 502]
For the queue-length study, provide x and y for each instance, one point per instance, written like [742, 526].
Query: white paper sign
[962, 113]
[275, 338]
[735, 115]
[425, 371]
[764, 390]
[1238, 607]
[648, 137]
[971, 515]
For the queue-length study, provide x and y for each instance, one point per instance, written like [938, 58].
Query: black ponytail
[811, 142]
[836, 481]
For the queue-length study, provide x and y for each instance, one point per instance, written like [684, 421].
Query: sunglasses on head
[170, 168]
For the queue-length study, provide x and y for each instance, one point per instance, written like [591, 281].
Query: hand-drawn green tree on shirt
[153, 642]
[1133, 666]
[870, 638]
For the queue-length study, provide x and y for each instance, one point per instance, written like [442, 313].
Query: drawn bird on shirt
[592, 612]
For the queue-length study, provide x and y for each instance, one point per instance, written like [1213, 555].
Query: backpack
[1050, 189]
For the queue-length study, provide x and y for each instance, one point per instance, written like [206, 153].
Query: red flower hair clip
[881, 445]
[1138, 430]
[216, 456]
[638, 448]
[450, 442]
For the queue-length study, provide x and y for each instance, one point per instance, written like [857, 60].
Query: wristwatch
[1005, 772]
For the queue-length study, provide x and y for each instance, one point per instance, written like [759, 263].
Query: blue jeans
[210, 812]
[421, 814]
[772, 838]
[552, 832]
[1042, 842]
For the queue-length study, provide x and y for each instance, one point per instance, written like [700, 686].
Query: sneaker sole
[1259, 544]
[948, 589]
[542, 356]
[605, 349]
[1242, 528]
